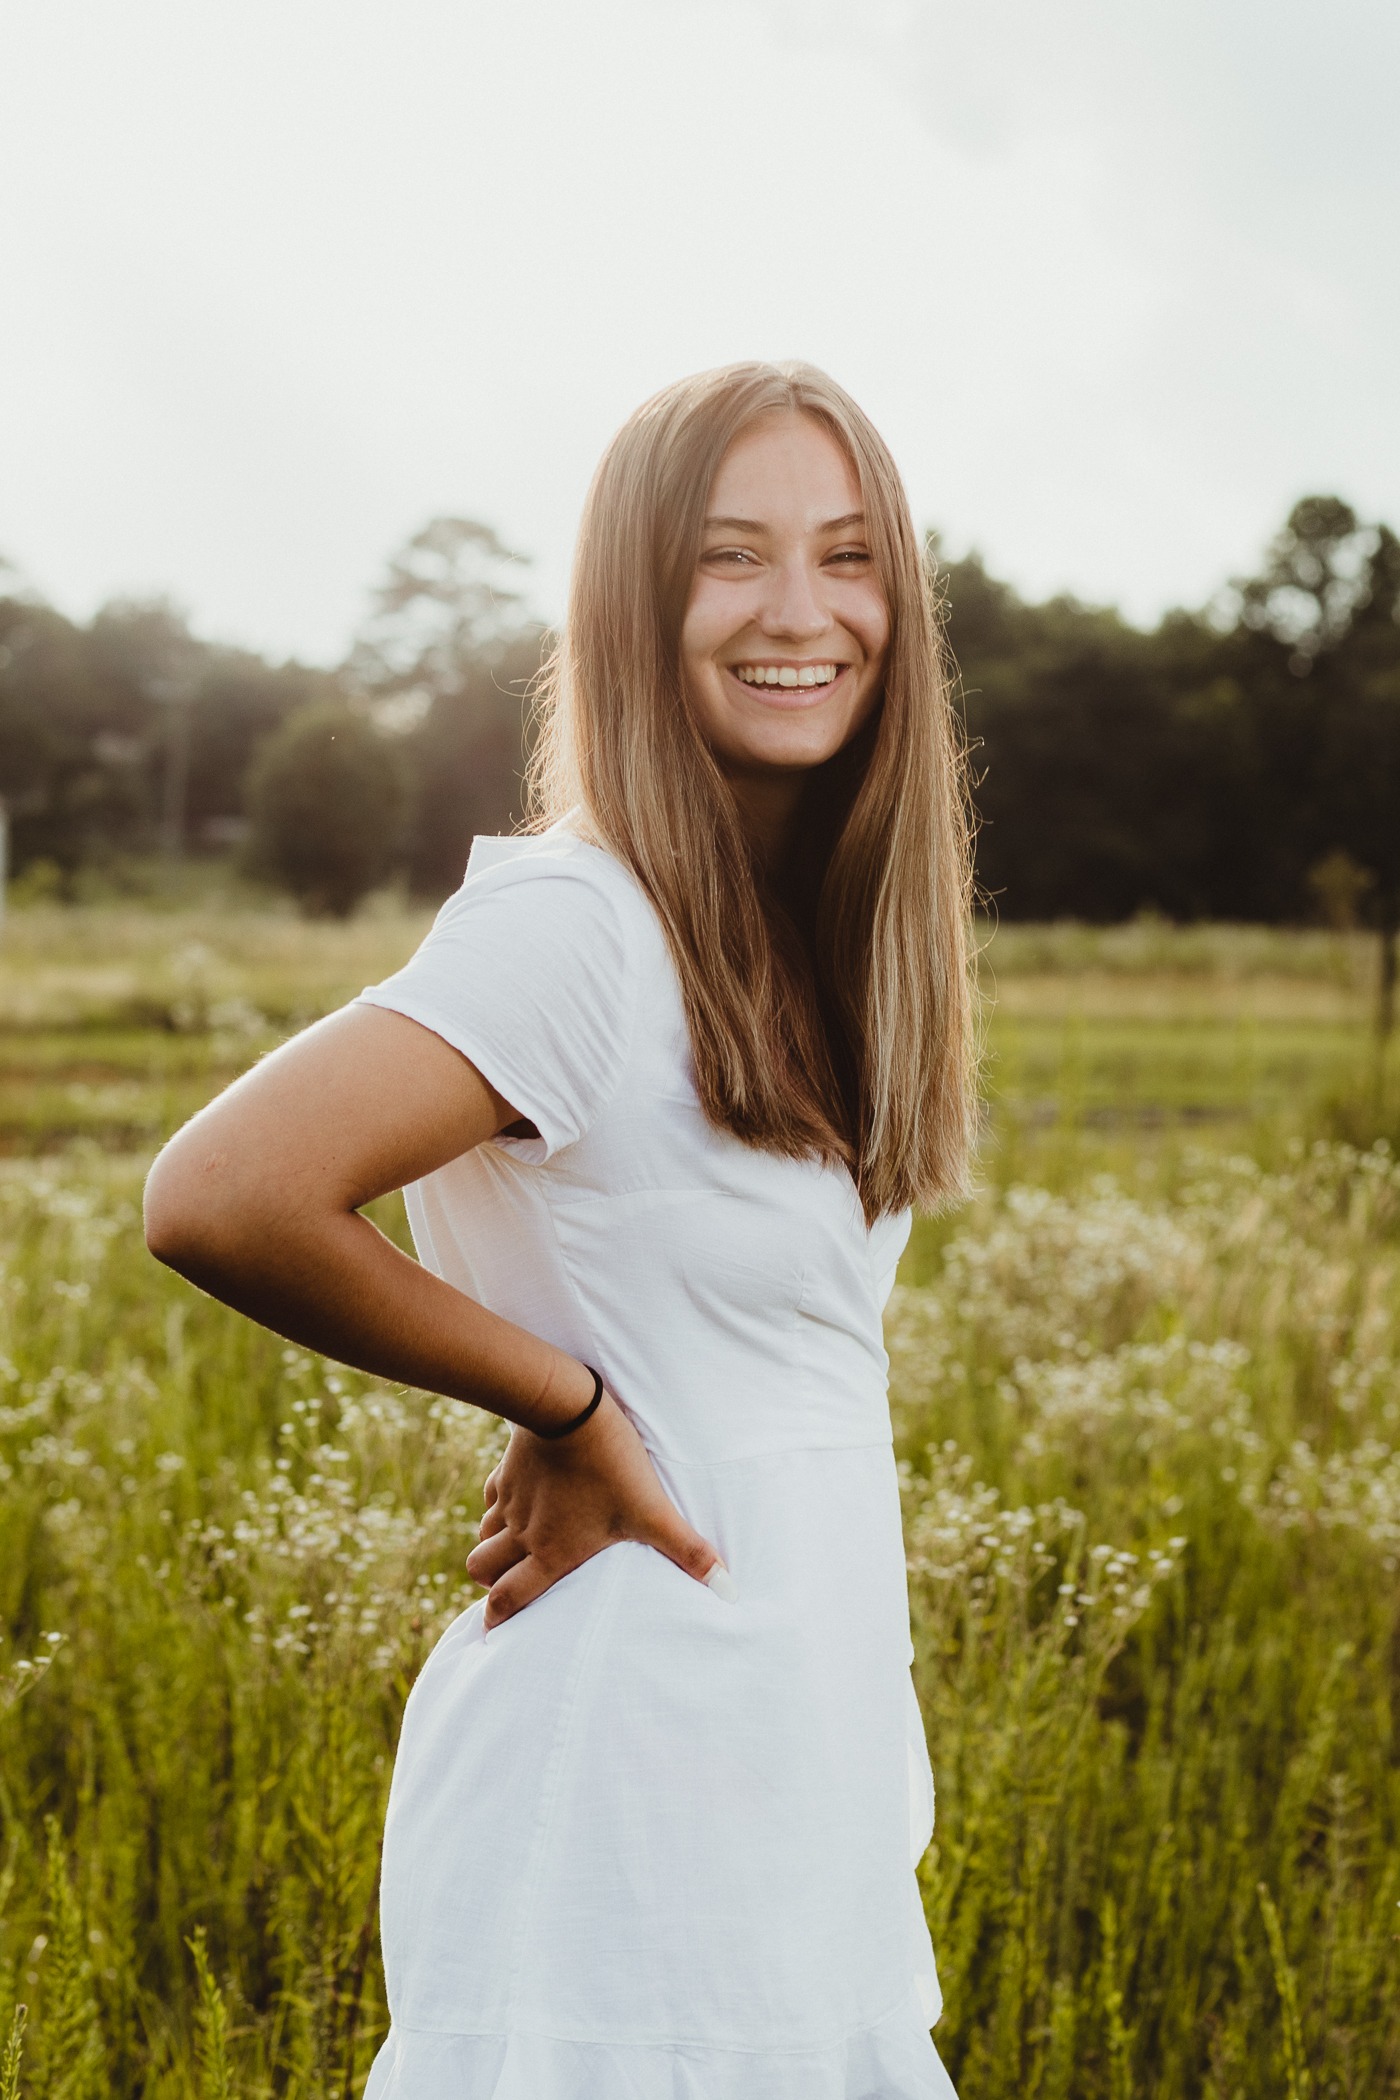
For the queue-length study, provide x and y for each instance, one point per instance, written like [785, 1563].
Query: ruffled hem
[893, 2060]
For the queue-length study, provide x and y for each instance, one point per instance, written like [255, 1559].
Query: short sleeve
[889, 1236]
[528, 971]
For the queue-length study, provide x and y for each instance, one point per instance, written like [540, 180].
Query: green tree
[1315, 576]
[447, 603]
[325, 803]
[447, 658]
[1361, 752]
[207, 708]
[1222, 765]
[131, 732]
[1322, 624]
[73, 744]
[145, 648]
[1089, 799]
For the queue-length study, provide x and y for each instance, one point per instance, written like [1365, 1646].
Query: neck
[768, 804]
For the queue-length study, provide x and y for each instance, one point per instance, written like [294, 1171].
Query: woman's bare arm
[257, 1201]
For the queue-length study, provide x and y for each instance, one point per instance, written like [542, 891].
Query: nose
[792, 608]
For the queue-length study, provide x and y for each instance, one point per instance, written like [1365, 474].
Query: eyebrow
[852, 517]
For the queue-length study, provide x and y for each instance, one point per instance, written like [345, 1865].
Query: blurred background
[314, 319]
[317, 319]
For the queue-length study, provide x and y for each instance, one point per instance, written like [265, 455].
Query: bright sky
[283, 278]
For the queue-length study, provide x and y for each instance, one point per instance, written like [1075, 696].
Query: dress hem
[893, 2058]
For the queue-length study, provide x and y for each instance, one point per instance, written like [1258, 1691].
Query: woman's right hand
[553, 1504]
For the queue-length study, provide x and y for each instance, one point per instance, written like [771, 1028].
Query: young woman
[661, 1085]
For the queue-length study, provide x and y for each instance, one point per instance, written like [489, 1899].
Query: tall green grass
[221, 1565]
[1149, 1431]
[1152, 1457]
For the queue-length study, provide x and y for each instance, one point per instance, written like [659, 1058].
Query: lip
[790, 697]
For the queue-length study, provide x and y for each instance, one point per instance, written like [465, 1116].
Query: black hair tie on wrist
[576, 1421]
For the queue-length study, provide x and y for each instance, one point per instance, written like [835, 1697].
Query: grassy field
[1147, 1398]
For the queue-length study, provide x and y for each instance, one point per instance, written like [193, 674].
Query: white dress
[644, 1844]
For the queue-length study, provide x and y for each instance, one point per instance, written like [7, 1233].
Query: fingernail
[722, 1583]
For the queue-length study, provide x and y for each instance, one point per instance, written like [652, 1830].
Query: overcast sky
[1119, 279]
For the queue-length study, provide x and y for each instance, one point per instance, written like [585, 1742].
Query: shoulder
[555, 857]
[560, 889]
[533, 971]
[549, 920]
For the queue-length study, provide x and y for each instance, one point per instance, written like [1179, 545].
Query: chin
[794, 757]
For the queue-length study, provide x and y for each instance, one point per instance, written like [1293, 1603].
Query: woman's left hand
[551, 1505]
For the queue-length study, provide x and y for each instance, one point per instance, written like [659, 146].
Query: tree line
[131, 736]
[1240, 761]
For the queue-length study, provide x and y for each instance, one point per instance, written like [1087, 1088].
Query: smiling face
[784, 639]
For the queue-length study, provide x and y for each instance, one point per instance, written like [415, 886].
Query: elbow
[171, 1219]
[186, 1220]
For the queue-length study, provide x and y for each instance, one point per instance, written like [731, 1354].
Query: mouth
[790, 676]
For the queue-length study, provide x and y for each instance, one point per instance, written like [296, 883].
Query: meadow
[1146, 1388]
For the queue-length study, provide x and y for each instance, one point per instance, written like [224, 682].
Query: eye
[850, 557]
[730, 557]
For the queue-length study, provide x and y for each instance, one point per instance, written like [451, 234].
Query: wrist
[554, 1427]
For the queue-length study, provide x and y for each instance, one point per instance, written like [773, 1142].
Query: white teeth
[786, 674]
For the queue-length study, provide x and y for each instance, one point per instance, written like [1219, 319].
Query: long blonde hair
[854, 1043]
